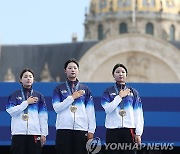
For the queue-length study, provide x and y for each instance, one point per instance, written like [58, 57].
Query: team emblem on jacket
[113, 94]
[19, 98]
[63, 91]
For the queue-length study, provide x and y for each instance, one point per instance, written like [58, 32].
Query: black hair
[119, 65]
[26, 70]
[71, 61]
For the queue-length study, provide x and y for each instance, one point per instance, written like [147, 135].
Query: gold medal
[25, 117]
[122, 112]
[73, 108]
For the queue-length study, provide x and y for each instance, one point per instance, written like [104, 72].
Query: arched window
[172, 33]
[148, 2]
[149, 28]
[103, 4]
[122, 28]
[122, 3]
[100, 32]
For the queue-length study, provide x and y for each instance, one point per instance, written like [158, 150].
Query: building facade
[138, 33]
[142, 34]
[109, 18]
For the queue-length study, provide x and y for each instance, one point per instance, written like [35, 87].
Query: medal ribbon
[122, 103]
[117, 92]
[25, 98]
[74, 89]
[70, 93]
[69, 90]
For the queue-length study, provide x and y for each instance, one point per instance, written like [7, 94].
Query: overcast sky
[41, 21]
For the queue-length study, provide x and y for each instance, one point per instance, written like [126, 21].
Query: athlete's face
[72, 71]
[27, 79]
[120, 75]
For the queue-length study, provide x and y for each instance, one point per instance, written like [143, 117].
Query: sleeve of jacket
[109, 105]
[138, 115]
[90, 113]
[58, 104]
[12, 106]
[43, 116]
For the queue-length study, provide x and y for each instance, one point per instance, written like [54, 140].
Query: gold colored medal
[73, 108]
[25, 117]
[122, 112]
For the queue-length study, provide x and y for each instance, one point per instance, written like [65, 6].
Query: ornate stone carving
[58, 78]
[9, 76]
[138, 68]
[45, 74]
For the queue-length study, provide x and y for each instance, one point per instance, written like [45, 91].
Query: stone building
[109, 18]
[142, 34]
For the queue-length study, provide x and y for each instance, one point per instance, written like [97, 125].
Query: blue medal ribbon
[24, 98]
[69, 90]
[117, 92]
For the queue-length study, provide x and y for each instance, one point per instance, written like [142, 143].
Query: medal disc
[73, 108]
[25, 117]
[122, 112]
